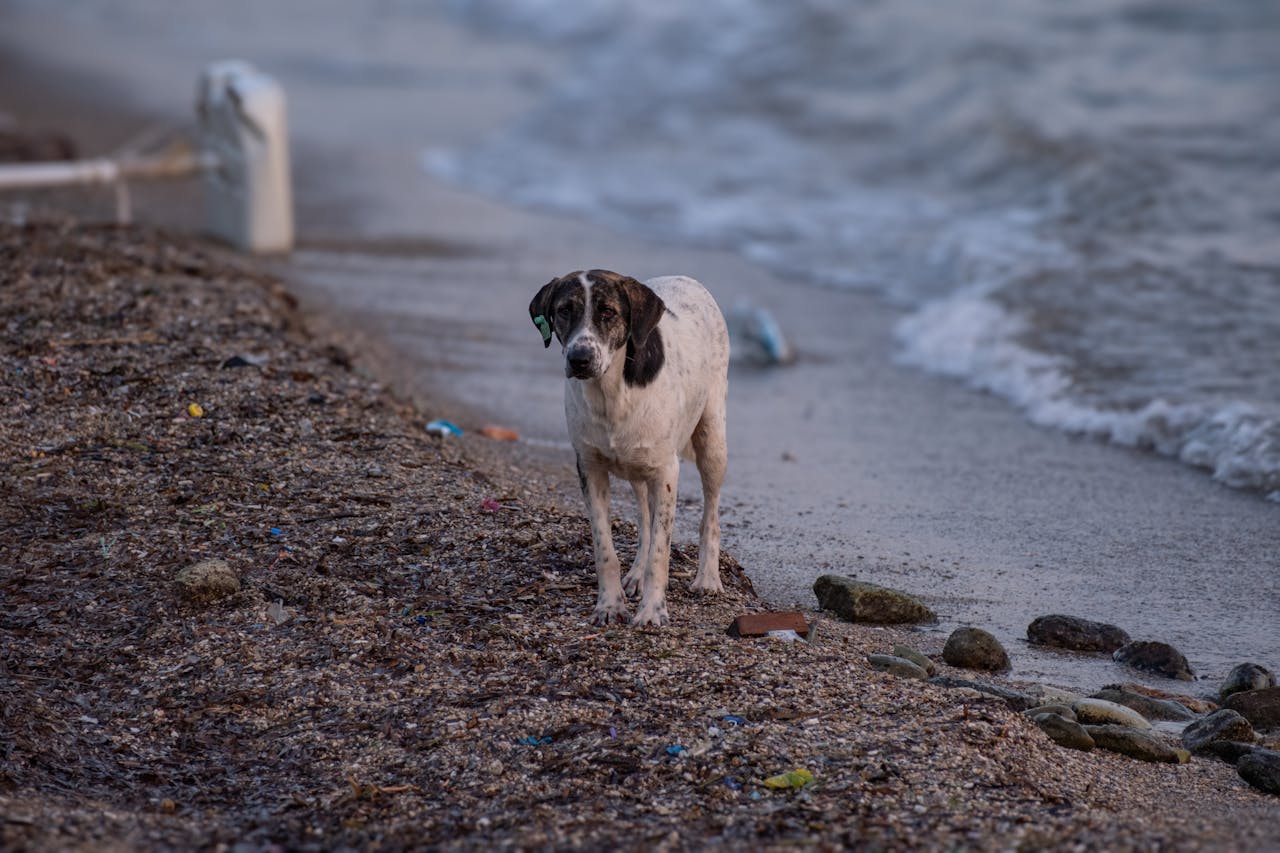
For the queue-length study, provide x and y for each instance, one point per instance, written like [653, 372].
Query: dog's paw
[651, 614]
[631, 580]
[707, 583]
[607, 612]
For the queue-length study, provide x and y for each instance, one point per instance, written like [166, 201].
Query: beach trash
[797, 778]
[248, 196]
[499, 433]
[443, 428]
[756, 337]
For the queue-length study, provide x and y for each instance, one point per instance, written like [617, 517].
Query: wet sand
[844, 462]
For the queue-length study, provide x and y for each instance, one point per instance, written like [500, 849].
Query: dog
[646, 377]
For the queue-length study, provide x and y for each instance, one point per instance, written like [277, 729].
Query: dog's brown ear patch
[645, 353]
[645, 311]
[540, 310]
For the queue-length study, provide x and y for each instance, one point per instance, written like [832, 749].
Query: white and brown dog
[647, 373]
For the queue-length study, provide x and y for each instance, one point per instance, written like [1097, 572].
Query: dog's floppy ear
[646, 309]
[539, 308]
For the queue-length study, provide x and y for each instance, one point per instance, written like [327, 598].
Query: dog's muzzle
[579, 363]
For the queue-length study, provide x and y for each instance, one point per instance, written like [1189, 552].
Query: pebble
[208, 580]
[1148, 706]
[1229, 751]
[1246, 676]
[1064, 732]
[1160, 658]
[920, 660]
[900, 667]
[1102, 712]
[1015, 700]
[1063, 711]
[974, 648]
[858, 601]
[1260, 707]
[1223, 724]
[1072, 632]
[1261, 769]
[1136, 744]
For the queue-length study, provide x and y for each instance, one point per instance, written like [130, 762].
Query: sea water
[1078, 204]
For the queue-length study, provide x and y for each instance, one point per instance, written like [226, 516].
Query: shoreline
[902, 479]
[404, 657]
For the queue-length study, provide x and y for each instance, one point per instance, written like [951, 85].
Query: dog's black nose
[579, 361]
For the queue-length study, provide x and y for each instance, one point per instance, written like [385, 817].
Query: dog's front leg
[662, 514]
[611, 604]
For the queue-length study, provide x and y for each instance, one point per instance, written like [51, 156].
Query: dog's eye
[562, 311]
[606, 313]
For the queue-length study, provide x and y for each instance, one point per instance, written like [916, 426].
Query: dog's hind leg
[611, 604]
[711, 457]
[631, 581]
[662, 507]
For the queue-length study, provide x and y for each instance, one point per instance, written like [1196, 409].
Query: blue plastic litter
[675, 750]
[734, 784]
[443, 427]
[276, 531]
[735, 721]
[535, 741]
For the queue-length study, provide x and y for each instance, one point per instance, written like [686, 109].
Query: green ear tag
[544, 327]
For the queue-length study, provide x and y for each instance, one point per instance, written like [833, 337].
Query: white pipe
[101, 171]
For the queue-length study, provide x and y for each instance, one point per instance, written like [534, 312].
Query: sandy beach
[845, 462]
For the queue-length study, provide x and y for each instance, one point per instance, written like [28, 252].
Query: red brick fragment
[759, 624]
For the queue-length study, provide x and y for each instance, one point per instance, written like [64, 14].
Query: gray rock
[858, 601]
[1191, 703]
[1260, 707]
[1072, 632]
[974, 648]
[207, 581]
[1015, 700]
[1229, 751]
[1148, 706]
[900, 667]
[1064, 732]
[1224, 724]
[1063, 711]
[1261, 769]
[1137, 744]
[1102, 712]
[922, 661]
[1246, 676]
[1160, 658]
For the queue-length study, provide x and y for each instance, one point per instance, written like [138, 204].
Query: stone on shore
[1259, 707]
[1063, 711]
[1013, 698]
[1072, 632]
[1160, 658]
[920, 660]
[858, 601]
[900, 667]
[1191, 703]
[1223, 724]
[1230, 751]
[1246, 676]
[1136, 744]
[1064, 732]
[974, 648]
[1102, 712]
[207, 581]
[1148, 706]
[1261, 769]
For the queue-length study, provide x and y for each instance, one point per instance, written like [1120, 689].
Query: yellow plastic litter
[195, 410]
[797, 778]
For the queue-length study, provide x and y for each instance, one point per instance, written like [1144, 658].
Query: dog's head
[596, 315]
